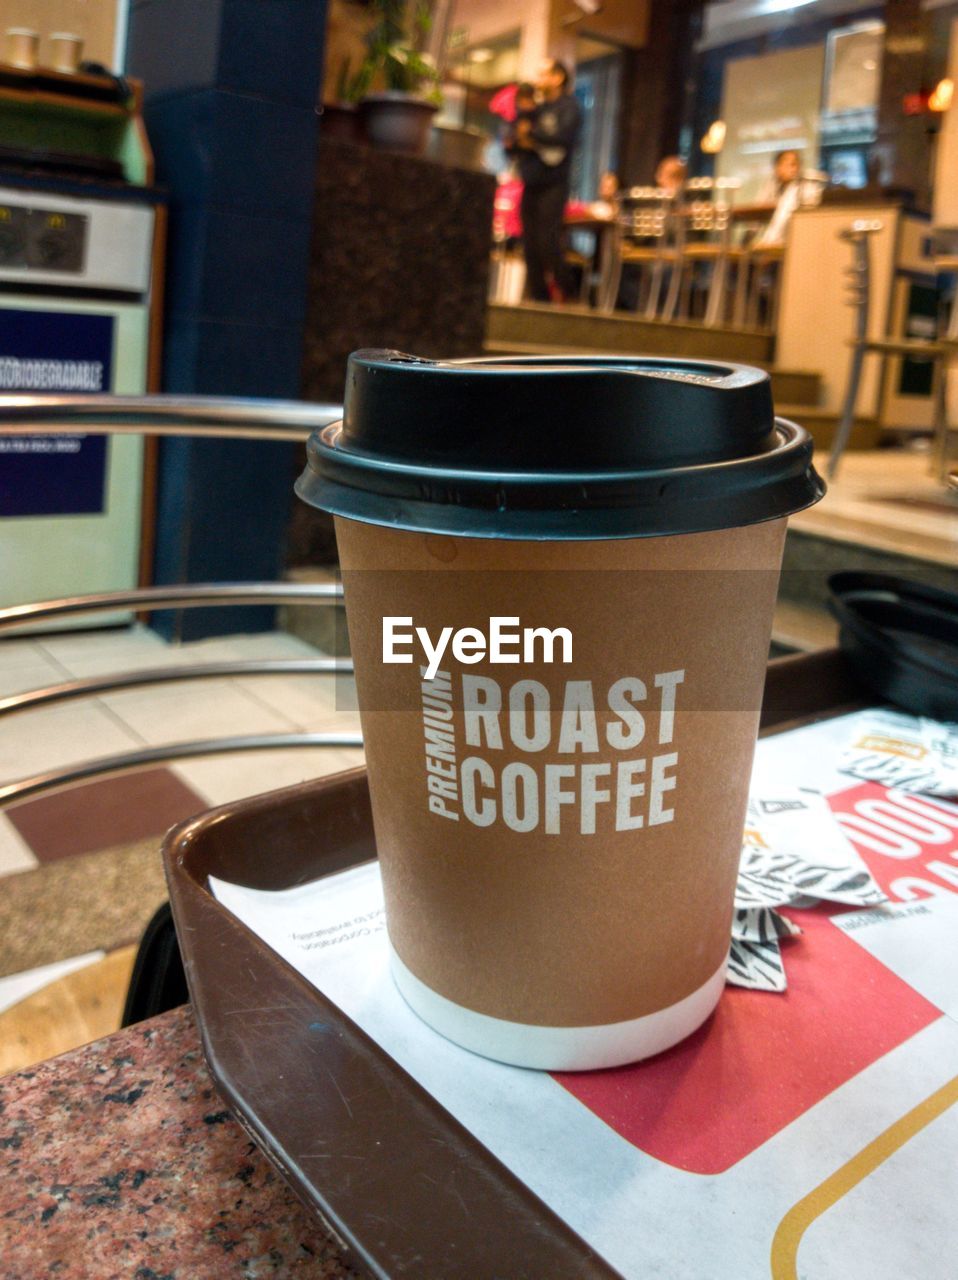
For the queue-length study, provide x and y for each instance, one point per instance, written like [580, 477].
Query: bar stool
[507, 275]
[708, 209]
[947, 264]
[647, 243]
[707, 243]
[859, 282]
[753, 263]
[672, 237]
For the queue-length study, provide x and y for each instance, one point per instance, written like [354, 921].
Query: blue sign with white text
[45, 352]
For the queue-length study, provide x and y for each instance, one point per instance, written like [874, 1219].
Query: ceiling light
[480, 55]
[713, 142]
[941, 96]
[780, 6]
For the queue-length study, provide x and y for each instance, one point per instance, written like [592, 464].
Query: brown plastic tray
[402, 1187]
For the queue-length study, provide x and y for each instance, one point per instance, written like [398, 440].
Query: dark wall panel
[231, 88]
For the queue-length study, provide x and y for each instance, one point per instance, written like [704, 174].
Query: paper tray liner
[402, 1187]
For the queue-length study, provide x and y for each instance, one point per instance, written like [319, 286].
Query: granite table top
[120, 1160]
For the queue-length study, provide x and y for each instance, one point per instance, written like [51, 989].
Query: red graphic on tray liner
[762, 1060]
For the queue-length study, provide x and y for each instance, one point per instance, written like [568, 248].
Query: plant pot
[340, 120]
[456, 147]
[397, 121]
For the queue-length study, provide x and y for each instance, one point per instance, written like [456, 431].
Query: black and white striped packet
[794, 854]
[756, 965]
[762, 924]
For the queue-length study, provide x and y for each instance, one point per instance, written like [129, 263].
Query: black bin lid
[567, 448]
[901, 638]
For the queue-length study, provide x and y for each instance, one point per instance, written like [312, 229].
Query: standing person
[547, 141]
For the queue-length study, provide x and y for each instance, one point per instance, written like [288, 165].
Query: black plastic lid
[901, 637]
[558, 448]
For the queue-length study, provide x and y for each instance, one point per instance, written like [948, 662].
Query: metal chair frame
[166, 416]
[651, 219]
[859, 235]
[711, 219]
[669, 231]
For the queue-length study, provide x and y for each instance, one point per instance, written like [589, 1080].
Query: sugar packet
[794, 854]
[911, 753]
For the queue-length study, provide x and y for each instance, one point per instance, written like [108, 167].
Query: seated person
[670, 176]
[608, 196]
[786, 170]
[788, 189]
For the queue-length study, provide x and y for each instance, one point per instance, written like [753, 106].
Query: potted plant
[397, 85]
[340, 117]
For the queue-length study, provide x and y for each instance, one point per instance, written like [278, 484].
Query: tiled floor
[888, 500]
[81, 865]
[112, 811]
[33, 741]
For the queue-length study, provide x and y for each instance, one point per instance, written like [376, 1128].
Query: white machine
[75, 281]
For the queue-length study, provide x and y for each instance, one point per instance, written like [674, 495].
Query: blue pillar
[231, 90]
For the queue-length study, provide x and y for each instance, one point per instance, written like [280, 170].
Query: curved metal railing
[165, 416]
[174, 597]
[223, 416]
[34, 699]
[130, 761]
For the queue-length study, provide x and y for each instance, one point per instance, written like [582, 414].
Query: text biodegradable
[543, 795]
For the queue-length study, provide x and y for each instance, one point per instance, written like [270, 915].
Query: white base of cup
[559, 1048]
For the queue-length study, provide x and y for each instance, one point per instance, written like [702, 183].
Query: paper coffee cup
[22, 46]
[559, 839]
[66, 50]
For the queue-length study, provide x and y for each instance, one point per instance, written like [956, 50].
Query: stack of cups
[23, 48]
[559, 581]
